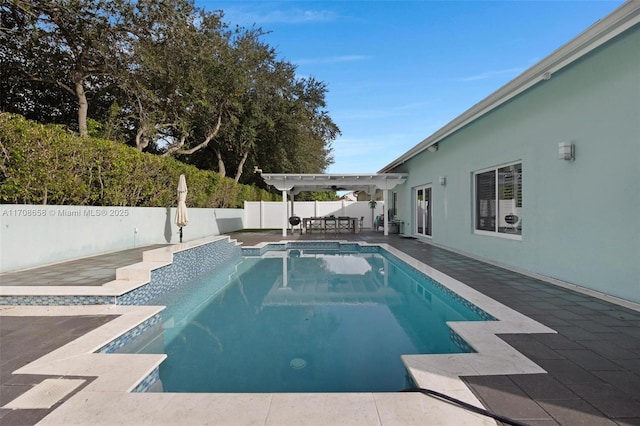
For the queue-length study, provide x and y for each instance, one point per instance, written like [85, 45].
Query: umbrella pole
[181, 234]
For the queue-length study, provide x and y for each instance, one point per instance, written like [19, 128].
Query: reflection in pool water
[305, 321]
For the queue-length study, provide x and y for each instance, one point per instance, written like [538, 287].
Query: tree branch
[178, 148]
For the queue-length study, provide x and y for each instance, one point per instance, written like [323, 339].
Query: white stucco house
[542, 176]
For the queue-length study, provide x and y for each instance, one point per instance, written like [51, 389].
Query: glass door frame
[423, 213]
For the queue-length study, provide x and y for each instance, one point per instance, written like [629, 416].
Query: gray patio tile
[545, 422]
[630, 364]
[568, 315]
[608, 399]
[549, 320]
[589, 360]
[633, 330]
[544, 305]
[592, 326]
[599, 305]
[542, 387]
[557, 341]
[554, 291]
[506, 399]
[609, 350]
[529, 311]
[623, 314]
[623, 380]
[581, 309]
[573, 332]
[577, 297]
[635, 421]
[568, 372]
[575, 412]
[621, 339]
[604, 318]
[533, 349]
[560, 301]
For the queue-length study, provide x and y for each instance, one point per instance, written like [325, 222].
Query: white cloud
[262, 15]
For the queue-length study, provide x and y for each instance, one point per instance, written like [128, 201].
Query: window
[498, 195]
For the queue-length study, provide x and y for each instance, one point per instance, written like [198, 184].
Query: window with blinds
[498, 195]
[486, 201]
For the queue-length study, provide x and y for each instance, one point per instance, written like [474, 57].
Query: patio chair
[315, 224]
[344, 223]
[331, 224]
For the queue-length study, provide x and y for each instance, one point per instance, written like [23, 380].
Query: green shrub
[46, 164]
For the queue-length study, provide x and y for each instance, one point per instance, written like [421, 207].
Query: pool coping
[118, 374]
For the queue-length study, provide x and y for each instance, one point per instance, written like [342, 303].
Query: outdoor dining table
[328, 223]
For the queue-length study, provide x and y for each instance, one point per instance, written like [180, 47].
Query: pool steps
[128, 278]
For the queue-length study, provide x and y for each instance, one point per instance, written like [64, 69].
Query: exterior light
[566, 151]
[433, 148]
[443, 180]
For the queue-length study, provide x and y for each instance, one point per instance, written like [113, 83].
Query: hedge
[46, 164]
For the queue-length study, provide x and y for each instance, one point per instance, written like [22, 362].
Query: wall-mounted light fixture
[443, 180]
[566, 151]
[433, 148]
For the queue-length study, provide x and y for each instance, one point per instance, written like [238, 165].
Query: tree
[166, 77]
[51, 46]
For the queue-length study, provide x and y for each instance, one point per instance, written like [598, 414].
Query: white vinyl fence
[269, 214]
[36, 235]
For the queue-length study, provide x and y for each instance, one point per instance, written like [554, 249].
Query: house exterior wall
[581, 219]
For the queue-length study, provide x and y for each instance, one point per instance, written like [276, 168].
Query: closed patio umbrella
[182, 218]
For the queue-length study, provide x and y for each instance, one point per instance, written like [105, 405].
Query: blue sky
[397, 71]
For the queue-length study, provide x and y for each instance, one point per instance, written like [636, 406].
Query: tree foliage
[59, 47]
[46, 164]
[165, 77]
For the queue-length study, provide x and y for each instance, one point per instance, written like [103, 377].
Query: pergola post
[284, 216]
[385, 211]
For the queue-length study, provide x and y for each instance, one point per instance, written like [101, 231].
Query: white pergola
[292, 184]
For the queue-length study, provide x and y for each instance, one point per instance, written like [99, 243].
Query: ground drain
[297, 363]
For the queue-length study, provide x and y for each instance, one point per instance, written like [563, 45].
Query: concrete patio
[592, 363]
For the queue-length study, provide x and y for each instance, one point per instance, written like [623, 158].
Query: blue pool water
[306, 320]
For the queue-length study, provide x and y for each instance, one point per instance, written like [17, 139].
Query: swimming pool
[306, 319]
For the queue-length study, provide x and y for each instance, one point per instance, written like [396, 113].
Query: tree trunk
[241, 166]
[141, 140]
[178, 148]
[221, 169]
[83, 105]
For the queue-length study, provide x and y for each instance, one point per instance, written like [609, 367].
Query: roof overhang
[619, 21]
[296, 183]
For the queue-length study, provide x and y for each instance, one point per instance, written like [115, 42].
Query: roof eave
[620, 20]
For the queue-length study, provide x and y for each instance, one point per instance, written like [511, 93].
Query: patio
[593, 362]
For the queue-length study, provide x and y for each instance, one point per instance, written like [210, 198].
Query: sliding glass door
[422, 221]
